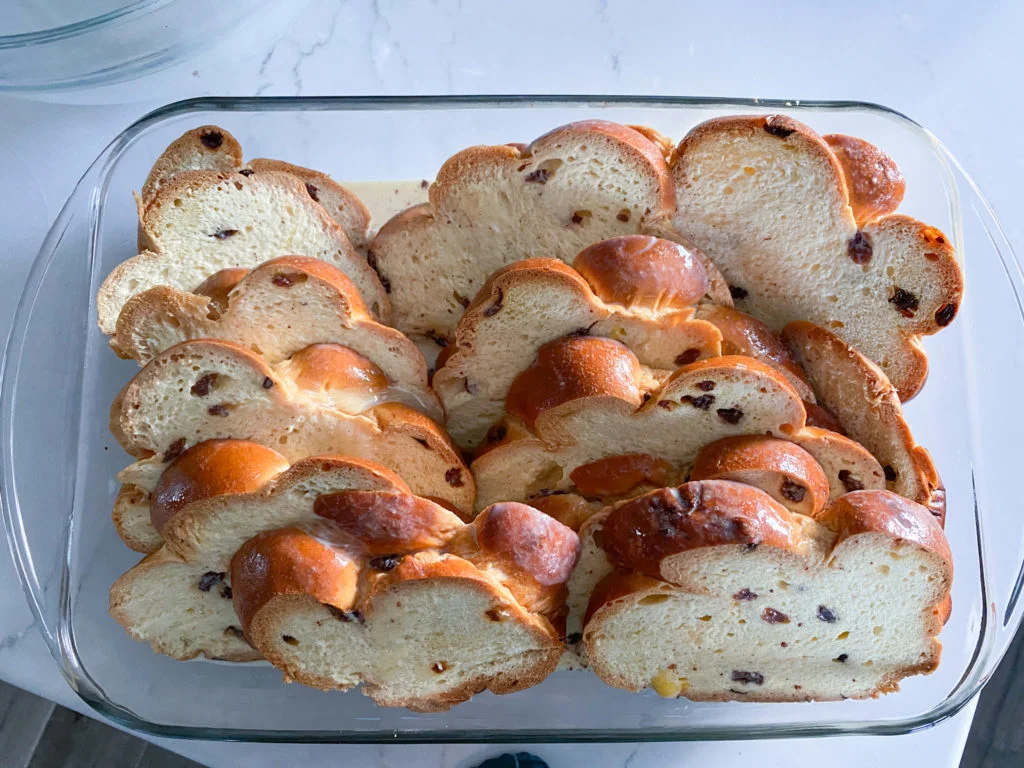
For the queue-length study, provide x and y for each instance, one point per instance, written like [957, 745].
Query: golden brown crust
[208, 146]
[388, 522]
[527, 542]
[217, 287]
[873, 180]
[571, 368]
[664, 144]
[863, 399]
[643, 271]
[821, 417]
[333, 367]
[570, 509]
[618, 584]
[746, 335]
[618, 475]
[889, 513]
[290, 561]
[643, 533]
[780, 468]
[213, 468]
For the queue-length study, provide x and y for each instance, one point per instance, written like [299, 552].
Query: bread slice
[586, 406]
[493, 205]
[211, 148]
[867, 405]
[463, 622]
[206, 148]
[766, 199]
[276, 310]
[635, 289]
[183, 606]
[782, 469]
[873, 180]
[741, 600]
[206, 390]
[200, 222]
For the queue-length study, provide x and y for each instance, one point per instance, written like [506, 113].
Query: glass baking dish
[59, 460]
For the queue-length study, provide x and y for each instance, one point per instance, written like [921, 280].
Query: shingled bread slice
[771, 607]
[636, 289]
[587, 400]
[211, 148]
[860, 395]
[276, 310]
[206, 390]
[200, 222]
[182, 606]
[765, 198]
[463, 627]
[493, 205]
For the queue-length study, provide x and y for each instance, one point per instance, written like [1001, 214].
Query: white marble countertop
[949, 68]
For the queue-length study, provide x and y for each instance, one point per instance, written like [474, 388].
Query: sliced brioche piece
[782, 469]
[847, 464]
[462, 633]
[206, 148]
[636, 289]
[206, 390]
[746, 335]
[742, 600]
[341, 204]
[867, 405]
[493, 205]
[584, 399]
[182, 605]
[211, 148]
[199, 222]
[873, 180]
[766, 200]
[276, 310]
[465, 629]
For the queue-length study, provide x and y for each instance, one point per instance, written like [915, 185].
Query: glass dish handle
[40, 406]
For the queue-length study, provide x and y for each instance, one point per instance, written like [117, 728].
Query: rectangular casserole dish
[58, 459]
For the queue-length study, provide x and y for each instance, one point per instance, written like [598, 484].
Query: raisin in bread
[721, 594]
[418, 628]
[276, 310]
[586, 411]
[636, 289]
[319, 401]
[494, 205]
[211, 148]
[200, 222]
[868, 407]
[181, 603]
[766, 199]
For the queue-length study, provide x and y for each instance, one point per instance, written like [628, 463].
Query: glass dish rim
[65, 31]
[61, 643]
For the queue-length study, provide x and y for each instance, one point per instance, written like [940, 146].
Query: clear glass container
[58, 459]
[48, 45]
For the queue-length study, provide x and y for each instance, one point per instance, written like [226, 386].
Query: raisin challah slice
[207, 390]
[636, 289]
[418, 628]
[767, 200]
[494, 205]
[180, 600]
[869, 409]
[721, 594]
[199, 222]
[211, 148]
[587, 417]
[278, 309]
